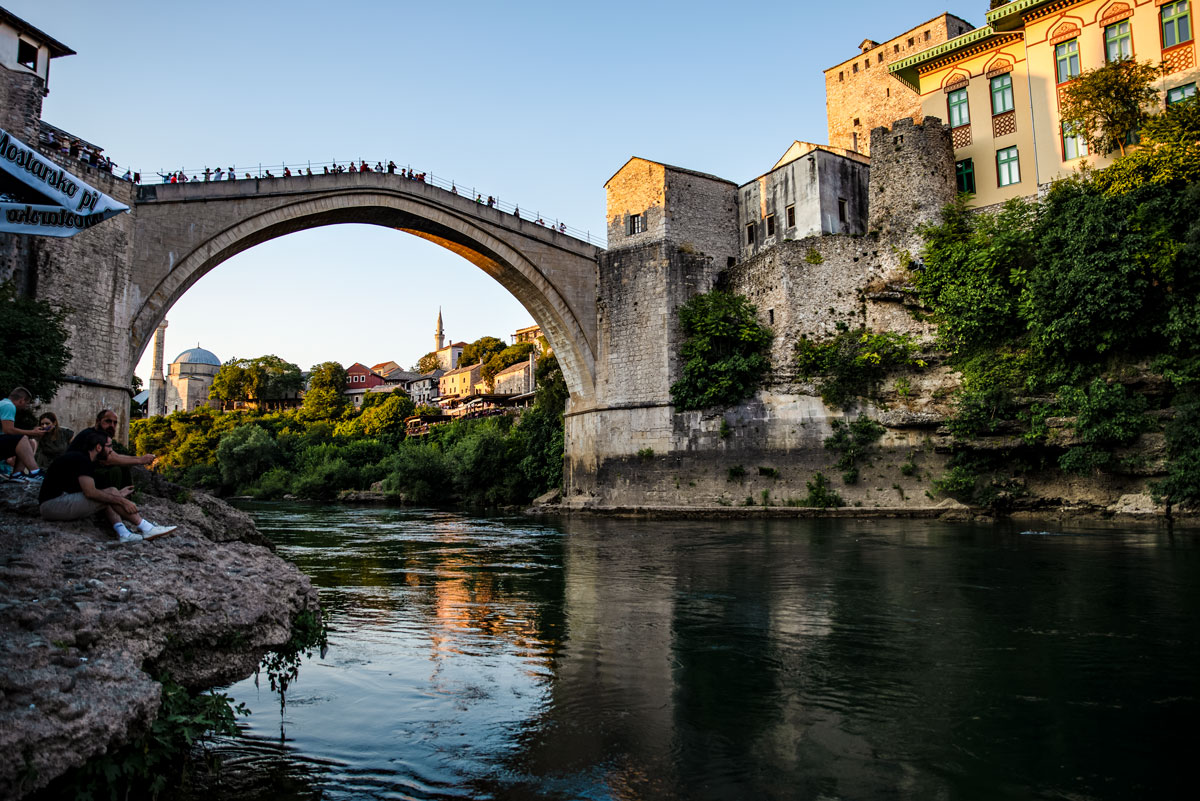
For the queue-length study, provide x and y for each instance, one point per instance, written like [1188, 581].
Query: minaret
[156, 404]
[439, 335]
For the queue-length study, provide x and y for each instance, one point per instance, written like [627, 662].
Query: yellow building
[999, 86]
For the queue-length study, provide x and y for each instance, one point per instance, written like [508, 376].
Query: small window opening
[854, 67]
[750, 233]
[770, 225]
[910, 41]
[770, 317]
[637, 224]
[841, 76]
[895, 48]
[927, 36]
[842, 216]
[854, 139]
[791, 216]
[856, 121]
[27, 55]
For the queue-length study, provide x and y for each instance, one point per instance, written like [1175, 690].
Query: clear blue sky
[535, 102]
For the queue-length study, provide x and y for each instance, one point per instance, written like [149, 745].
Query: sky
[537, 103]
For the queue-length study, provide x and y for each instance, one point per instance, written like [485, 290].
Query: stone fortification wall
[807, 287]
[912, 178]
[97, 296]
[639, 187]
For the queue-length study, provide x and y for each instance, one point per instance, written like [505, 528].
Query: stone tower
[439, 336]
[157, 402]
[912, 178]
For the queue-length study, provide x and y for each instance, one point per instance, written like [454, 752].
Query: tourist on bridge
[69, 491]
[391, 167]
[479, 199]
[286, 172]
[378, 166]
[207, 175]
[18, 443]
[218, 175]
[128, 176]
[491, 202]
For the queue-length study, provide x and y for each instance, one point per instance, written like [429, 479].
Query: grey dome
[197, 356]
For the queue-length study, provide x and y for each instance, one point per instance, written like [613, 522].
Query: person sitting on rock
[15, 443]
[106, 424]
[54, 442]
[69, 491]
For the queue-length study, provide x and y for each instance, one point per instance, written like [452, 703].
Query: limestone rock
[85, 622]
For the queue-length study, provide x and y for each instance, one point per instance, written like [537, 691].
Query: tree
[33, 344]
[324, 399]
[428, 363]
[505, 358]
[265, 378]
[1109, 104]
[481, 350]
[724, 352]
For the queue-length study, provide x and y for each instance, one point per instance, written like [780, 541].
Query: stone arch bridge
[182, 231]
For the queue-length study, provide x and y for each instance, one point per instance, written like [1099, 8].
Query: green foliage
[152, 762]
[737, 473]
[821, 495]
[724, 353]
[381, 416]
[245, 453]
[511, 355]
[1107, 416]
[33, 344]
[324, 399]
[645, 454]
[975, 266]
[428, 363]
[262, 379]
[854, 363]
[1181, 486]
[769, 472]
[480, 350]
[282, 665]
[725, 431]
[813, 256]
[1109, 104]
[852, 442]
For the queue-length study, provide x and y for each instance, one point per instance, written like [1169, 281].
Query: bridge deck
[573, 239]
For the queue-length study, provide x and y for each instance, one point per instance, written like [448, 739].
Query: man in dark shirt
[69, 491]
[117, 473]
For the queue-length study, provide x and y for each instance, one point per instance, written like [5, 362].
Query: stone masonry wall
[861, 89]
[702, 215]
[638, 188]
[48, 268]
[20, 109]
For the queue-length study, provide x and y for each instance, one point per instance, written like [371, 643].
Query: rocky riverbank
[86, 621]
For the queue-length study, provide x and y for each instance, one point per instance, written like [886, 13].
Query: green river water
[584, 658]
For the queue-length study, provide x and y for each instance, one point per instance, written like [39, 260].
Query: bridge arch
[194, 232]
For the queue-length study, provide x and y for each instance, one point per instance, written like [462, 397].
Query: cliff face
[85, 621]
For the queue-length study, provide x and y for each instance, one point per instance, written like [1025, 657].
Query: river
[478, 657]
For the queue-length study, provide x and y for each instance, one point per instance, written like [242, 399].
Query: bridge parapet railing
[318, 168]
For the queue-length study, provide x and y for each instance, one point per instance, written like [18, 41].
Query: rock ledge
[85, 621]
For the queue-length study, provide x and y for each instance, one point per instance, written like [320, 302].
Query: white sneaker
[157, 531]
[130, 536]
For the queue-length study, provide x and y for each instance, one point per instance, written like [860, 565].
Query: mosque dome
[197, 355]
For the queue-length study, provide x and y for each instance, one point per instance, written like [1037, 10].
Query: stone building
[1000, 86]
[812, 189]
[189, 379]
[653, 202]
[860, 95]
[516, 379]
[527, 334]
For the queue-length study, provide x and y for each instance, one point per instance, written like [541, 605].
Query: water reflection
[758, 659]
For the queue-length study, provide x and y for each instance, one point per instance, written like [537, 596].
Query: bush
[854, 363]
[852, 443]
[724, 351]
[244, 454]
[821, 495]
